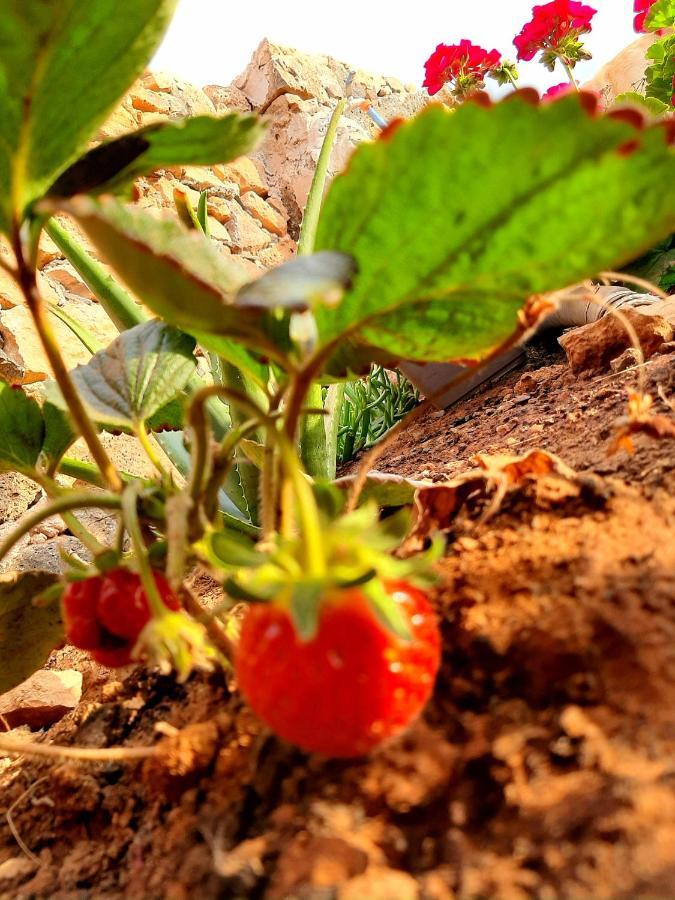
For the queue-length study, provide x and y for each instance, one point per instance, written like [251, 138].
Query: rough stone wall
[254, 203]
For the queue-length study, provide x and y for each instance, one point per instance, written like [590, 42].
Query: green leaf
[178, 274]
[383, 489]
[203, 213]
[59, 433]
[63, 67]
[661, 15]
[455, 219]
[21, 430]
[229, 549]
[302, 283]
[657, 266]
[29, 630]
[655, 107]
[142, 371]
[199, 141]
[660, 75]
[234, 354]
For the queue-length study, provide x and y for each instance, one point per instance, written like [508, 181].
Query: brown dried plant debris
[641, 420]
[537, 472]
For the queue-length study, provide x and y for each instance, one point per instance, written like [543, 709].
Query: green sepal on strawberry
[358, 551]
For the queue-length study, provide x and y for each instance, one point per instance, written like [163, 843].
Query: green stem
[314, 449]
[313, 444]
[568, 69]
[310, 220]
[308, 512]
[118, 303]
[512, 79]
[133, 526]
[78, 413]
[149, 447]
[85, 471]
[57, 507]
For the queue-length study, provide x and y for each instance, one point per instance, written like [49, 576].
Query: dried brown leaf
[437, 506]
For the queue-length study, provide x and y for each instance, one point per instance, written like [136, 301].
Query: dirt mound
[544, 767]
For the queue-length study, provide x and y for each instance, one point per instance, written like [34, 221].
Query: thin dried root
[17, 747]
[9, 815]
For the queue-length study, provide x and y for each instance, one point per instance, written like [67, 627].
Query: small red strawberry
[354, 684]
[106, 614]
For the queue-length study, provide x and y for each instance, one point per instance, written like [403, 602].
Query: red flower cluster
[552, 25]
[642, 8]
[465, 65]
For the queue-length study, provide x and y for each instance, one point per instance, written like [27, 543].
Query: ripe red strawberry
[350, 687]
[106, 614]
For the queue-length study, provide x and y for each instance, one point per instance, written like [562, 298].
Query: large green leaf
[64, 64]
[21, 430]
[29, 630]
[178, 274]
[455, 219]
[200, 141]
[142, 371]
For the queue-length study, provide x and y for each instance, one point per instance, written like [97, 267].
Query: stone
[150, 101]
[627, 360]
[10, 292]
[120, 122]
[90, 314]
[227, 99]
[16, 867]
[592, 347]
[219, 209]
[379, 883]
[184, 99]
[42, 699]
[64, 274]
[246, 234]
[202, 179]
[17, 494]
[276, 70]
[261, 210]
[244, 172]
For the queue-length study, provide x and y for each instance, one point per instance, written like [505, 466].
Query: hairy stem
[570, 74]
[38, 311]
[133, 526]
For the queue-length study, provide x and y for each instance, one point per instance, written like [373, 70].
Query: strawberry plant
[435, 244]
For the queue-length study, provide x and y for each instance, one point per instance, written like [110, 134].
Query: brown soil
[544, 767]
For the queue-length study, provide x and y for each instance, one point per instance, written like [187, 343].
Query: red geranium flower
[463, 65]
[642, 8]
[557, 91]
[555, 29]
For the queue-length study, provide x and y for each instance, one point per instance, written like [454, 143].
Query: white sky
[211, 41]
